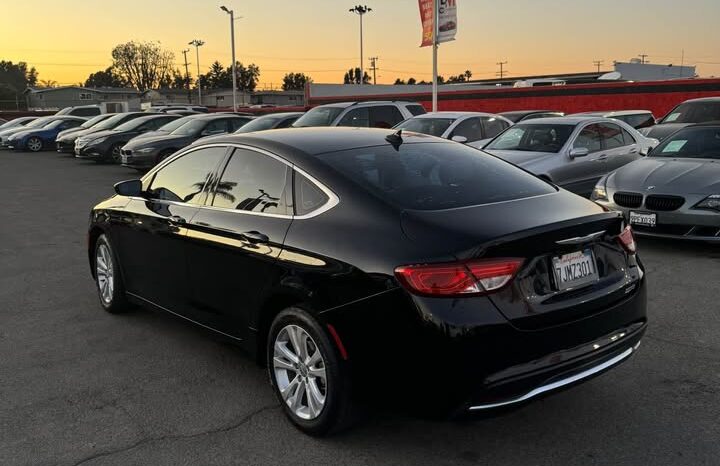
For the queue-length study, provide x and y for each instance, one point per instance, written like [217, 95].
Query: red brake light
[475, 277]
[627, 240]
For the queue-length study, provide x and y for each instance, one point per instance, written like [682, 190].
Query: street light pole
[232, 47]
[198, 43]
[361, 10]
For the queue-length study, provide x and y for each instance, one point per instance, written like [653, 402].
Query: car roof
[448, 114]
[704, 99]
[318, 140]
[369, 102]
[527, 112]
[706, 123]
[280, 114]
[566, 120]
[611, 113]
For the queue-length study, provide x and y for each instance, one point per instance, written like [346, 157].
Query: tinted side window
[252, 181]
[416, 110]
[590, 137]
[493, 127]
[470, 128]
[613, 135]
[85, 112]
[628, 138]
[237, 123]
[640, 121]
[286, 122]
[215, 127]
[70, 124]
[184, 179]
[356, 117]
[308, 197]
[385, 116]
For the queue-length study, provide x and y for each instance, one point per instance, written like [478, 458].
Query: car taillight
[461, 278]
[627, 240]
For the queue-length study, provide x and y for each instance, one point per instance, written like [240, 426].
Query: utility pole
[502, 72]
[198, 43]
[361, 10]
[436, 31]
[374, 68]
[187, 75]
[598, 63]
[643, 56]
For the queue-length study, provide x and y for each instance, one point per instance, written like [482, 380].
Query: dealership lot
[79, 386]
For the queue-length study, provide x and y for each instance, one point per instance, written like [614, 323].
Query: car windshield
[111, 122]
[694, 112]
[699, 142]
[39, 123]
[175, 124]
[131, 125]
[431, 126]
[53, 124]
[318, 116]
[93, 121]
[190, 128]
[17, 122]
[259, 124]
[533, 138]
[434, 176]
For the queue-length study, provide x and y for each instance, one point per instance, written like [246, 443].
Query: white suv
[360, 114]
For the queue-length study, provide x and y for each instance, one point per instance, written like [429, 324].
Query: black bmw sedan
[359, 262]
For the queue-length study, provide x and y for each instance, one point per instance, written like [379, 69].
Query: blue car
[37, 139]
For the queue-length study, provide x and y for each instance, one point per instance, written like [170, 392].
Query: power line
[598, 63]
[374, 68]
[643, 56]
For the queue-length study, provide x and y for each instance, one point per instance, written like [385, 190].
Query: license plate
[575, 269]
[643, 219]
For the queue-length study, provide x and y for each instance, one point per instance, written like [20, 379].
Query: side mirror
[461, 139]
[645, 151]
[579, 152]
[130, 188]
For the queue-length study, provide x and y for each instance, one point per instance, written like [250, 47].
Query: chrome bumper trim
[560, 383]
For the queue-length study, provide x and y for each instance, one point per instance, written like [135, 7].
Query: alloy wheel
[34, 144]
[104, 273]
[300, 372]
[116, 153]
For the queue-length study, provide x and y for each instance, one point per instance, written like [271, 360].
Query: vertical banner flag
[428, 22]
[447, 21]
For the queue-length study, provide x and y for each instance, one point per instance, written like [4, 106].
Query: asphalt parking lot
[79, 386]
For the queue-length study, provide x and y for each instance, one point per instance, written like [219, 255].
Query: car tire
[116, 154]
[34, 144]
[163, 155]
[296, 381]
[108, 278]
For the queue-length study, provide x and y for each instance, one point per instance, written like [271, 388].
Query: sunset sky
[68, 39]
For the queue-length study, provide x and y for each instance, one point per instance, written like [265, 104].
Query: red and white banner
[447, 20]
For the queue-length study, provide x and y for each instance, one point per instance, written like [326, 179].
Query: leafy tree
[218, 77]
[295, 81]
[105, 78]
[221, 78]
[353, 77]
[143, 65]
[399, 81]
[180, 81]
[15, 78]
[247, 78]
[461, 78]
[411, 81]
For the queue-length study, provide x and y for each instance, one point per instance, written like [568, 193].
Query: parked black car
[271, 121]
[359, 260]
[146, 152]
[104, 146]
[70, 134]
[65, 143]
[638, 119]
[687, 113]
[516, 116]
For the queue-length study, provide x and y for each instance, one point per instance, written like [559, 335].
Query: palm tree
[48, 83]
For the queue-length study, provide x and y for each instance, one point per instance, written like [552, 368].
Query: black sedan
[104, 146]
[366, 263]
[67, 143]
[146, 152]
[271, 121]
[516, 116]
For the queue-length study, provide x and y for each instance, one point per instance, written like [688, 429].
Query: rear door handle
[633, 150]
[177, 220]
[602, 157]
[255, 237]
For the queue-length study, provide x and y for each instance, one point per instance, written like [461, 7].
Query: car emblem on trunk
[650, 188]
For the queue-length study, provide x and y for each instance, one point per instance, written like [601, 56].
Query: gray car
[690, 112]
[472, 128]
[572, 152]
[675, 191]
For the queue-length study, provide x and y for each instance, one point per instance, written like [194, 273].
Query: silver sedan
[472, 128]
[572, 152]
[675, 191]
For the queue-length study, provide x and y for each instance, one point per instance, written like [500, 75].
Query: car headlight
[599, 192]
[144, 150]
[712, 202]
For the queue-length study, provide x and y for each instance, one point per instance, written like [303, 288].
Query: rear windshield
[533, 138]
[434, 176]
[175, 124]
[698, 142]
[431, 126]
[694, 112]
[318, 116]
[93, 121]
[259, 124]
[111, 122]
